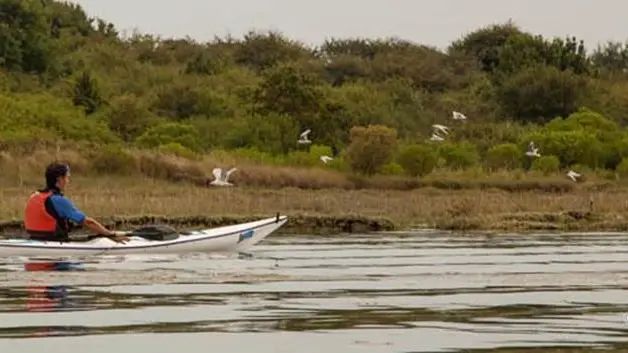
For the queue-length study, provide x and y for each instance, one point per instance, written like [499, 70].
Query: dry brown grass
[432, 207]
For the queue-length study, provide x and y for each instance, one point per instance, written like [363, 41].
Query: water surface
[394, 292]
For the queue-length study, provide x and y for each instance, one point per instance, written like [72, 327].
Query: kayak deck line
[244, 232]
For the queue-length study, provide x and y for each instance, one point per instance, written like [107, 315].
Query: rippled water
[421, 292]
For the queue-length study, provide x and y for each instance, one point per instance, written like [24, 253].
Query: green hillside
[70, 79]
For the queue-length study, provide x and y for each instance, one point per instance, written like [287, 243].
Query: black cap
[54, 171]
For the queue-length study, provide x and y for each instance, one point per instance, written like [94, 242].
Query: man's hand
[119, 237]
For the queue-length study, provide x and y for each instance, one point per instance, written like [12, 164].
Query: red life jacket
[36, 219]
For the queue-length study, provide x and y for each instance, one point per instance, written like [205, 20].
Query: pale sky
[435, 22]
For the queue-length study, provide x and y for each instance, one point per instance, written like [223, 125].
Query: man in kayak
[50, 215]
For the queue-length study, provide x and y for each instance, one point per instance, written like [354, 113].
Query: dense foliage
[369, 103]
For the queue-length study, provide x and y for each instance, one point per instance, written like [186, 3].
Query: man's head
[57, 176]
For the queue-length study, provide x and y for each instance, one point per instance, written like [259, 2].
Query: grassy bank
[25, 169]
[123, 201]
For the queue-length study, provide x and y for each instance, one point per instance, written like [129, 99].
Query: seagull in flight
[532, 151]
[458, 116]
[573, 175]
[442, 128]
[303, 137]
[436, 137]
[326, 159]
[220, 179]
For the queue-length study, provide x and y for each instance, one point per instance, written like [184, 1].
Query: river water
[393, 292]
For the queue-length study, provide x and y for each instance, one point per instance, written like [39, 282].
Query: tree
[371, 147]
[540, 93]
[524, 50]
[486, 43]
[86, 93]
[287, 90]
[25, 44]
[261, 51]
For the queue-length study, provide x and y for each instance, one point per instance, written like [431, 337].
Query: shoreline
[325, 225]
[296, 225]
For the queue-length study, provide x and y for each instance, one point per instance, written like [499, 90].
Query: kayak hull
[232, 238]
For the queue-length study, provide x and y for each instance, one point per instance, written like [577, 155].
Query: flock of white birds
[532, 151]
[222, 179]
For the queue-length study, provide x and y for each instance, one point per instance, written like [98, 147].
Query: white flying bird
[220, 179]
[436, 137]
[458, 116]
[532, 151]
[303, 137]
[442, 128]
[326, 159]
[573, 175]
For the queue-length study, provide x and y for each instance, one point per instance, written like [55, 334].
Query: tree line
[369, 103]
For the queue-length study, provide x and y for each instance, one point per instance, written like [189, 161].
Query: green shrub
[505, 156]
[622, 168]
[546, 164]
[177, 149]
[166, 133]
[128, 116]
[301, 159]
[392, 169]
[583, 119]
[254, 155]
[320, 150]
[417, 160]
[114, 160]
[273, 133]
[574, 146]
[44, 114]
[459, 155]
[371, 147]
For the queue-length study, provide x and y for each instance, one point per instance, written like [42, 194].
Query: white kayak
[232, 238]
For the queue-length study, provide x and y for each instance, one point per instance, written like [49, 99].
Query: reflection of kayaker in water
[50, 215]
[47, 298]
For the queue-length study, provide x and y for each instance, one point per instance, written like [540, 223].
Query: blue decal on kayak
[246, 235]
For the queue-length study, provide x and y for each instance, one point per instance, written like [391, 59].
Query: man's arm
[67, 210]
[97, 227]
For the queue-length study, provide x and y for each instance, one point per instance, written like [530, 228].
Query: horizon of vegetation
[70, 79]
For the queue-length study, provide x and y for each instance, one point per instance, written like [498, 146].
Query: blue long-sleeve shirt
[66, 209]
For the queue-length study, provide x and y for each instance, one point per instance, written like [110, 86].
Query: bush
[273, 133]
[417, 160]
[320, 150]
[114, 160]
[622, 168]
[504, 156]
[583, 119]
[163, 134]
[128, 116]
[571, 147]
[459, 155]
[392, 169]
[371, 147]
[45, 114]
[546, 164]
[177, 149]
[301, 158]
[169, 167]
[254, 155]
